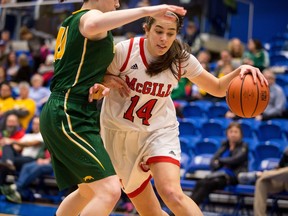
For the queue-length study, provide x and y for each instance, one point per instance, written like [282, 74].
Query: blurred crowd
[25, 77]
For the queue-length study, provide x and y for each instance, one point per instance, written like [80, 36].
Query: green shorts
[70, 129]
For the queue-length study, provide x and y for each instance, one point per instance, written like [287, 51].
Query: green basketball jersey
[79, 62]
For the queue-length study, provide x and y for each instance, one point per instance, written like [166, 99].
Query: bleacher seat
[206, 146]
[278, 60]
[185, 160]
[193, 110]
[213, 129]
[282, 80]
[248, 131]
[217, 110]
[269, 151]
[204, 104]
[269, 163]
[270, 131]
[249, 135]
[223, 121]
[199, 162]
[187, 146]
[188, 130]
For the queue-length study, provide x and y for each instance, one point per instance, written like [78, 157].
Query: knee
[113, 192]
[171, 194]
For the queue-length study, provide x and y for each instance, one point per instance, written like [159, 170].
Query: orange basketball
[245, 98]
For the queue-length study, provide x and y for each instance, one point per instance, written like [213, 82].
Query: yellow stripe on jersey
[81, 63]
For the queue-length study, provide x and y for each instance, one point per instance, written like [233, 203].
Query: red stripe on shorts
[140, 189]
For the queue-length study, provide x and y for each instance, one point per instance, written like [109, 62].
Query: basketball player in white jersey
[141, 131]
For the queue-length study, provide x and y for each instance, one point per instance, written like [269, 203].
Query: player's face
[161, 36]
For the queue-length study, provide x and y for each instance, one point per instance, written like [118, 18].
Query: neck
[89, 5]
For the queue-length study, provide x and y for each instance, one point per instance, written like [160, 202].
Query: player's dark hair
[178, 53]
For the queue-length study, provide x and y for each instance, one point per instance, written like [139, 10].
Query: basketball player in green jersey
[69, 124]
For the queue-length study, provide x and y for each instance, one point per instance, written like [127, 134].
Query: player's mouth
[162, 47]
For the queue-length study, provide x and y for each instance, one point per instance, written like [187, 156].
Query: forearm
[224, 81]
[96, 22]
[213, 85]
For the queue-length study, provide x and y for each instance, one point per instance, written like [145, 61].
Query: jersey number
[143, 112]
[60, 43]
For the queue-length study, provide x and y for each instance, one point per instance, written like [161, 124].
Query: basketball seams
[241, 98]
[228, 93]
[257, 101]
[227, 98]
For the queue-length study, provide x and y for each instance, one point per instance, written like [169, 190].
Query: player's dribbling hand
[244, 69]
[115, 82]
[97, 92]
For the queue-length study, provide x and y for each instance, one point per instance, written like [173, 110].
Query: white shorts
[129, 149]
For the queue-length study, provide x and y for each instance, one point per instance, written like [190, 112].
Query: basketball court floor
[33, 209]
[38, 209]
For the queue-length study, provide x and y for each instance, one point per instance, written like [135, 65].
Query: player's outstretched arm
[218, 86]
[95, 22]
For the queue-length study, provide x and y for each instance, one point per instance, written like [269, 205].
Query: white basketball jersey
[149, 106]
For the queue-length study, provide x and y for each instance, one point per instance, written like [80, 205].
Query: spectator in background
[14, 131]
[11, 129]
[180, 91]
[47, 69]
[256, 55]
[17, 151]
[34, 44]
[5, 36]
[277, 102]
[236, 49]
[230, 159]
[7, 102]
[2, 75]
[224, 64]
[3, 53]
[24, 72]
[267, 182]
[204, 57]
[143, 3]
[191, 36]
[12, 66]
[24, 107]
[30, 172]
[38, 92]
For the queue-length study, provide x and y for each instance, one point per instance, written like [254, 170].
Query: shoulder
[126, 43]
[191, 67]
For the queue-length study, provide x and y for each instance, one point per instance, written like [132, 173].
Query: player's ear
[145, 27]
[146, 30]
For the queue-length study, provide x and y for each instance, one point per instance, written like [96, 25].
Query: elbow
[91, 28]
